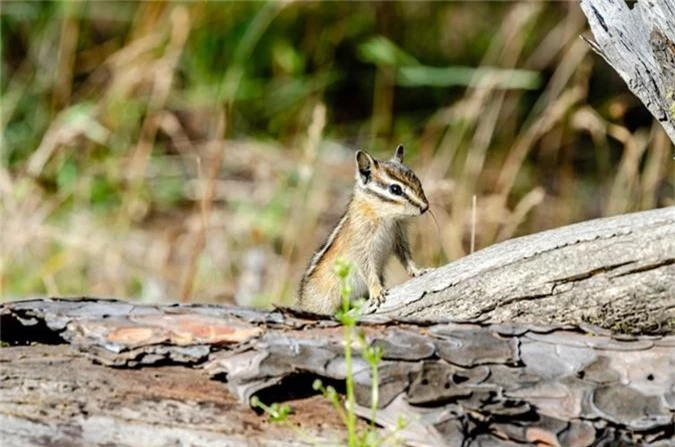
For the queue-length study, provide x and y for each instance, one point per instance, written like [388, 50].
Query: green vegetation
[201, 150]
[276, 412]
[348, 316]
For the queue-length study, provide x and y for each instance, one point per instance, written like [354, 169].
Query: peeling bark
[54, 395]
[638, 44]
[616, 272]
[183, 375]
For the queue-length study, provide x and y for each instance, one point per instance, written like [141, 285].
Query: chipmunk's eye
[395, 190]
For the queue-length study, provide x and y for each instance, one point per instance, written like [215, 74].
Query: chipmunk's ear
[364, 166]
[398, 155]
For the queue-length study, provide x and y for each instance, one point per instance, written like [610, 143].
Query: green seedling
[348, 316]
[276, 412]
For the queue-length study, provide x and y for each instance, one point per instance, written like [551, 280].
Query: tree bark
[638, 44]
[102, 372]
[616, 272]
[53, 395]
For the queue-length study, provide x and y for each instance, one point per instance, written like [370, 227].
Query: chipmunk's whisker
[438, 229]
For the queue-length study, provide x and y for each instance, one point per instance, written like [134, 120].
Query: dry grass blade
[106, 105]
[205, 204]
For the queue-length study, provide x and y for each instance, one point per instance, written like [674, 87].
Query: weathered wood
[67, 394]
[616, 272]
[54, 395]
[454, 383]
[638, 44]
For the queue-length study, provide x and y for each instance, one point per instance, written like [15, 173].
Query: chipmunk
[386, 193]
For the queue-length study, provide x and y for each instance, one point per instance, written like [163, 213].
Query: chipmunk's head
[392, 187]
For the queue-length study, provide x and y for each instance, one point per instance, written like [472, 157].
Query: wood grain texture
[638, 42]
[616, 272]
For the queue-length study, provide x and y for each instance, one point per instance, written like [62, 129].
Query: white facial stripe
[383, 192]
[414, 199]
[409, 192]
[388, 180]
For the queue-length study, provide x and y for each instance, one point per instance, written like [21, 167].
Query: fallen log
[616, 272]
[101, 372]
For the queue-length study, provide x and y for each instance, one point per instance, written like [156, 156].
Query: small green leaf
[67, 176]
[287, 57]
[342, 268]
[382, 51]
[317, 385]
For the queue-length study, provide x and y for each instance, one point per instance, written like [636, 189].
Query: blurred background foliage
[201, 151]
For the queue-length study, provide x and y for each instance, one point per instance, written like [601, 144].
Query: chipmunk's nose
[424, 208]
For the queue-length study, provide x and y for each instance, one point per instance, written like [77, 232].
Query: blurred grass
[201, 151]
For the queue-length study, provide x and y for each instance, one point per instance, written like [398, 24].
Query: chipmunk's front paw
[379, 297]
[419, 272]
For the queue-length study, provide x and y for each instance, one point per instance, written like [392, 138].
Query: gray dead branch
[638, 43]
[98, 372]
[616, 272]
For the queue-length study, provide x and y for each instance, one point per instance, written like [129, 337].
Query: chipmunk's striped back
[385, 194]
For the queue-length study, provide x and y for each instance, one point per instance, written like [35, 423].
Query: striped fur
[370, 231]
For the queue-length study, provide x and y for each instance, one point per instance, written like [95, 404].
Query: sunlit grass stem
[347, 317]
